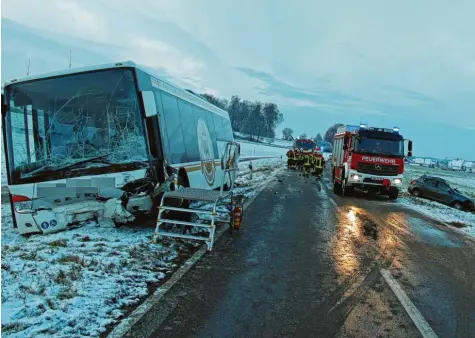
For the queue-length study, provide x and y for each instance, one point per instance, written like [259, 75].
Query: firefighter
[306, 164]
[290, 158]
[319, 165]
[300, 160]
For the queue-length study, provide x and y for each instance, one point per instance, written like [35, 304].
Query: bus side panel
[178, 121]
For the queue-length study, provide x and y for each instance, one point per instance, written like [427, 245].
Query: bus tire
[183, 182]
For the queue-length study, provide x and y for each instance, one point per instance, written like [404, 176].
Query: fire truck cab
[368, 158]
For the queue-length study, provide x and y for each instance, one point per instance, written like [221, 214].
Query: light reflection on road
[344, 250]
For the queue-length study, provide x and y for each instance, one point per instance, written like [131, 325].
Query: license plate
[376, 178]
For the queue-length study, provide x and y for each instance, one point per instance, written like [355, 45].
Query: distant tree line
[330, 133]
[256, 119]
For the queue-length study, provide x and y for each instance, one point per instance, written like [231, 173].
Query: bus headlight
[397, 181]
[22, 204]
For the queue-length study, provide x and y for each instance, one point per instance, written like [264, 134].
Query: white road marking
[421, 324]
[334, 203]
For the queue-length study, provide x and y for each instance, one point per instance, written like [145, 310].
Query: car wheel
[457, 205]
[416, 192]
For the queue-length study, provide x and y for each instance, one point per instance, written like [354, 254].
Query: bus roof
[165, 84]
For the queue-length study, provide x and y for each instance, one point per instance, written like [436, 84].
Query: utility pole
[28, 69]
[70, 58]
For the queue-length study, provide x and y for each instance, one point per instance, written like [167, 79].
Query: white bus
[99, 143]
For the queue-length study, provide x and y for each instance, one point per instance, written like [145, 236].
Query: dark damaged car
[439, 190]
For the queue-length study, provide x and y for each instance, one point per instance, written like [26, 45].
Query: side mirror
[4, 106]
[409, 148]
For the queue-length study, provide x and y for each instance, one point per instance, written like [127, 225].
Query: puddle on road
[430, 235]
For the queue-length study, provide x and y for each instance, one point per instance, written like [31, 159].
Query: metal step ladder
[230, 163]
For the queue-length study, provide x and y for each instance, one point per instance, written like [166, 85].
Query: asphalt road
[307, 263]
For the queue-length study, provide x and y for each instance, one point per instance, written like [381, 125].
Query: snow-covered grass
[271, 141]
[77, 282]
[464, 182]
[460, 219]
[82, 281]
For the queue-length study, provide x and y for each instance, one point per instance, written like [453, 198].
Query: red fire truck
[307, 145]
[371, 159]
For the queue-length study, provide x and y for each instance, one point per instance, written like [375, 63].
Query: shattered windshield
[379, 146]
[77, 121]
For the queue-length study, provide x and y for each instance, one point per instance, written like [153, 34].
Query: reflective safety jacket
[318, 160]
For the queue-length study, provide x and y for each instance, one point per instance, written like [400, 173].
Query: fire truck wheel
[336, 187]
[349, 191]
[345, 190]
[393, 193]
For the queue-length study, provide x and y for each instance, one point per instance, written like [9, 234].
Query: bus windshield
[379, 146]
[76, 122]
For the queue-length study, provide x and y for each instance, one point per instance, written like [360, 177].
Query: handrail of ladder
[226, 170]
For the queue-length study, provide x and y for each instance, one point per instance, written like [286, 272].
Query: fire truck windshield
[379, 146]
[305, 145]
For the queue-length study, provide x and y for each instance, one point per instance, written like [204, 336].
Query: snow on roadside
[463, 220]
[464, 182]
[77, 282]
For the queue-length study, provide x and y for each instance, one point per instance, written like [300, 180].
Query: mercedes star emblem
[378, 166]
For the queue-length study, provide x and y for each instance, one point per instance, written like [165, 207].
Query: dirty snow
[78, 282]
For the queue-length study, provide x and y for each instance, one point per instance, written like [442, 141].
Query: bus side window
[162, 124]
[189, 131]
[200, 113]
[210, 123]
[177, 152]
[227, 129]
[219, 127]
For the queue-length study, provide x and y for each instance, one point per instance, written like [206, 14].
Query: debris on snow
[82, 281]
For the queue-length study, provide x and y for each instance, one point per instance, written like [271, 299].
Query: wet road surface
[307, 263]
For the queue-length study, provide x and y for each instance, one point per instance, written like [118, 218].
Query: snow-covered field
[271, 141]
[79, 282]
[464, 182]
[257, 149]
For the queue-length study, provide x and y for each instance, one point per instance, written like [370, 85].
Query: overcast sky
[390, 63]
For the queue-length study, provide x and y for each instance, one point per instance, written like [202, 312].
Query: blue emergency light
[396, 129]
